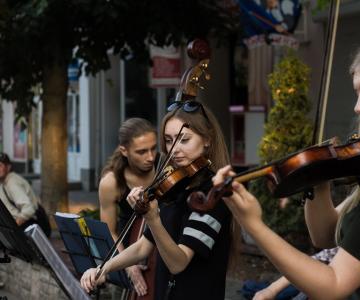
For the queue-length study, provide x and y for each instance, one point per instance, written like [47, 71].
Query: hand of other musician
[134, 195]
[243, 205]
[88, 280]
[265, 294]
[152, 214]
[19, 221]
[136, 277]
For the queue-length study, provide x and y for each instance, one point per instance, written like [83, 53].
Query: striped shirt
[208, 235]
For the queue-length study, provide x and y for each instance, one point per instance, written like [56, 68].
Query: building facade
[97, 105]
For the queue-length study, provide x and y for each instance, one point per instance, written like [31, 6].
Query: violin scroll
[197, 201]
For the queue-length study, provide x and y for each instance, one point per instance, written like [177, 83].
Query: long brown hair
[130, 129]
[209, 129]
[205, 126]
[354, 198]
[355, 65]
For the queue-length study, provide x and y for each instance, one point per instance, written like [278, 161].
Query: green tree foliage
[40, 38]
[287, 130]
[322, 4]
[35, 34]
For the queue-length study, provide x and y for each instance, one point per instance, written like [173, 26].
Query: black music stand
[34, 247]
[13, 240]
[88, 251]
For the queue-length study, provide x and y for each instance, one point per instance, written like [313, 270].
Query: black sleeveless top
[125, 213]
[125, 210]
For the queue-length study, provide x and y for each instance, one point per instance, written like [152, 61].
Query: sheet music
[67, 215]
[66, 278]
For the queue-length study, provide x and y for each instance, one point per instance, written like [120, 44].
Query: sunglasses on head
[188, 106]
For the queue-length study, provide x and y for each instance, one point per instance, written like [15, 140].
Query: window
[73, 122]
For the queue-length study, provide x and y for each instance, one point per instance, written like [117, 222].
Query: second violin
[296, 173]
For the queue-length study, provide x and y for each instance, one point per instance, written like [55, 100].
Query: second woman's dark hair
[130, 129]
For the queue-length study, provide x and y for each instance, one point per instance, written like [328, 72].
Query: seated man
[19, 198]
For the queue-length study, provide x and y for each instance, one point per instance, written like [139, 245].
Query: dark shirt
[350, 239]
[208, 235]
[125, 213]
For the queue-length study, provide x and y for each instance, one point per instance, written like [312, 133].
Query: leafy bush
[90, 213]
[288, 129]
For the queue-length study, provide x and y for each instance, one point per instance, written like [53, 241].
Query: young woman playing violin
[327, 225]
[193, 249]
[133, 163]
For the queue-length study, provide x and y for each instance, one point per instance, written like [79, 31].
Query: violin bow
[170, 154]
[326, 71]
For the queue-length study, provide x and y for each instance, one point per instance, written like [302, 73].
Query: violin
[296, 173]
[171, 178]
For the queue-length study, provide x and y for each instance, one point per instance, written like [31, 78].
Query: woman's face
[190, 148]
[356, 84]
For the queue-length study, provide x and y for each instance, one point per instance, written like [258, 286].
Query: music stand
[14, 241]
[59, 270]
[33, 246]
[101, 237]
[88, 251]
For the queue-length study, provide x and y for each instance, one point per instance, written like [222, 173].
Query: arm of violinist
[318, 281]
[129, 256]
[133, 254]
[272, 290]
[108, 195]
[176, 257]
[321, 217]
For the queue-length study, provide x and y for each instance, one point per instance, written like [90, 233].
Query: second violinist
[193, 249]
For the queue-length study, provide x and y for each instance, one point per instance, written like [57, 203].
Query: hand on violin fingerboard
[141, 207]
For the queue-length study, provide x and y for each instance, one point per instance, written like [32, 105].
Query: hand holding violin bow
[92, 278]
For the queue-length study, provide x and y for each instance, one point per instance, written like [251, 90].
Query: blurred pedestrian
[19, 198]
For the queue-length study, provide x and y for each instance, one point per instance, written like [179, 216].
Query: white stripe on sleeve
[204, 238]
[207, 219]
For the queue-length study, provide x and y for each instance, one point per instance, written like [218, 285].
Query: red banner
[166, 69]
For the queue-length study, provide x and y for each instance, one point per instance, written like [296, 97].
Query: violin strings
[177, 143]
[334, 140]
[170, 154]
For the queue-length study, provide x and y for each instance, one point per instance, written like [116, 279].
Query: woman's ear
[123, 151]
[207, 143]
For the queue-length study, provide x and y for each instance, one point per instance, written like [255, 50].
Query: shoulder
[14, 178]
[108, 181]
[108, 186]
